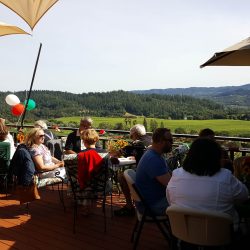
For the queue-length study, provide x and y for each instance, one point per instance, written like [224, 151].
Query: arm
[56, 161]
[68, 152]
[38, 160]
[164, 179]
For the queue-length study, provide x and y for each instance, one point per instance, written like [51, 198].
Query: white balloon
[12, 100]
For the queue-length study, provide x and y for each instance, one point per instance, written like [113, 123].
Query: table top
[124, 161]
[127, 161]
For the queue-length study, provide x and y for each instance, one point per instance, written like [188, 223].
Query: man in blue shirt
[153, 174]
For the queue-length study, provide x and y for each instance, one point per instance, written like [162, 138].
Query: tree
[119, 126]
[145, 124]
[153, 125]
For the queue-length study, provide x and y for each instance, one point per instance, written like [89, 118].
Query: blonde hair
[31, 136]
[90, 136]
[3, 130]
[40, 124]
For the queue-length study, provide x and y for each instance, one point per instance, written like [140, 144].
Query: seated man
[74, 144]
[140, 141]
[153, 174]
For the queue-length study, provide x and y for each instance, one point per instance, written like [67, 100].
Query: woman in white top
[42, 158]
[5, 136]
[201, 183]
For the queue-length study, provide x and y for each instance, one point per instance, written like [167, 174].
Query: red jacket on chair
[89, 162]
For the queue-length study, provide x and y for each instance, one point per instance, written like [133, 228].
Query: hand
[61, 163]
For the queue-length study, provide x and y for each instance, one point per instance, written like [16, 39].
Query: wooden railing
[236, 146]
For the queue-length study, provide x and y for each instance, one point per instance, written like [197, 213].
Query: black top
[137, 148]
[73, 142]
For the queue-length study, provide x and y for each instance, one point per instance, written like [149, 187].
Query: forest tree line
[55, 104]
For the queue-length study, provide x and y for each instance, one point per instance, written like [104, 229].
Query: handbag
[27, 193]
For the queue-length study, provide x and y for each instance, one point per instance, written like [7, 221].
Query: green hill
[54, 104]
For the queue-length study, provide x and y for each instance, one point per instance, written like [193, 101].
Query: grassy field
[233, 127]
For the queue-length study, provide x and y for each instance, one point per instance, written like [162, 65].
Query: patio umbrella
[236, 55]
[31, 11]
[8, 29]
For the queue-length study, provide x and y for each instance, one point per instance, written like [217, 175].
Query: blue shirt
[150, 166]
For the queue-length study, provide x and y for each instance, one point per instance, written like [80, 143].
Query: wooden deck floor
[49, 227]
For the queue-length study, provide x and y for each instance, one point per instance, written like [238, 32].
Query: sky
[106, 45]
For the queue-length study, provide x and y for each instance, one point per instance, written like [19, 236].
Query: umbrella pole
[31, 85]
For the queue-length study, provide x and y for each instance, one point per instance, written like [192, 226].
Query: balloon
[17, 109]
[12, 99]
[31, 104]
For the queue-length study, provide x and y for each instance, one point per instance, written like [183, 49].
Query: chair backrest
[130, 176]
[55, 147]
[70, 164]
[98, 182]
[203, 228]
[4, 157]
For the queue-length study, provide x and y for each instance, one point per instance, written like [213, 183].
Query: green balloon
[31, 104]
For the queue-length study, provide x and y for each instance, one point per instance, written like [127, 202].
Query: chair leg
[111, 204]
[6, 186]
[27, 208]
[165, 233]
[104, 213]
[75, 216]
[134, 231]
[138, 233]
[61, 197]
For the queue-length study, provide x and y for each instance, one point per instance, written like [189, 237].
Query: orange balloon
[17, 109]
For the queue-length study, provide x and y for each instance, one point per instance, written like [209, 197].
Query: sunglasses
[40, 136]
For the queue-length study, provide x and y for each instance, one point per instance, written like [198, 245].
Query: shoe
[124, 211]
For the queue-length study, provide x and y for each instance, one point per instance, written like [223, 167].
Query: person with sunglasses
[153, 173]
[45, 164]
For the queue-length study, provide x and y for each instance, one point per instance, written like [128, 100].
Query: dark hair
[207, 132]
[203, 158]
[159, 133]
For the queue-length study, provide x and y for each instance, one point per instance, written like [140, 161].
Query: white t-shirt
[217, 192]
[9, 139]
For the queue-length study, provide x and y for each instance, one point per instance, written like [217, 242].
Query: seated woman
[5, 136]
[90, 164]
[44, 162]
[203, 183]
